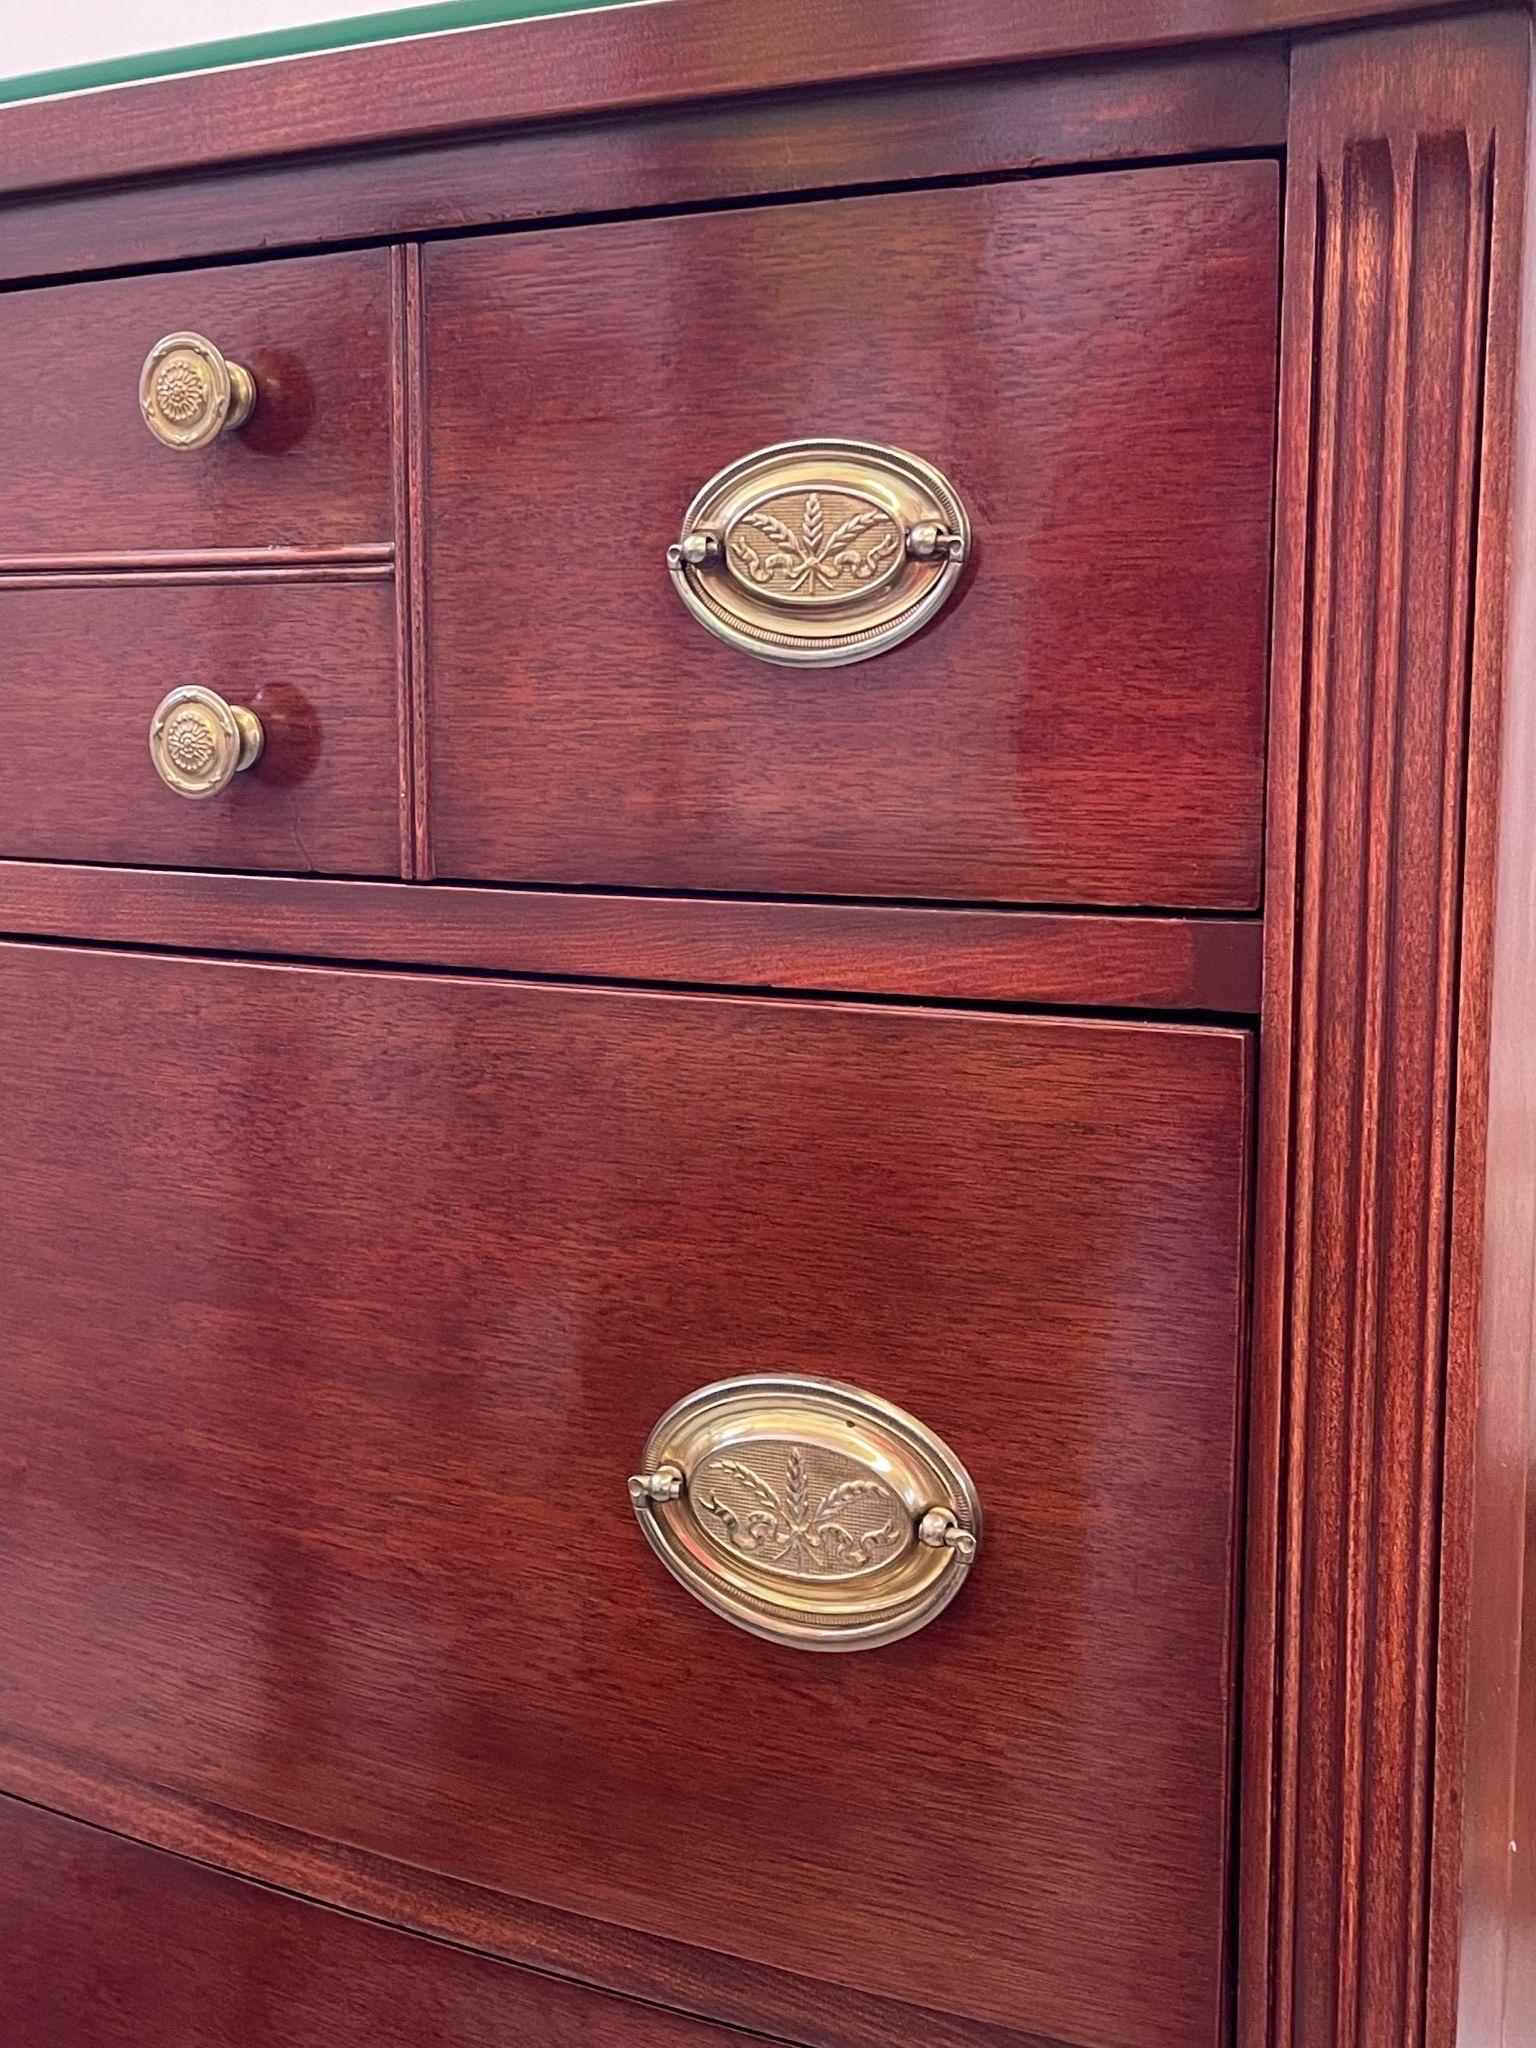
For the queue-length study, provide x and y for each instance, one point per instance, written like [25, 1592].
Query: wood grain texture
[313, 660]
[1405, 195]
[1179, 104]
[585, 64]
[1019, 956]
[1091, 361]
[811, 2012]
[374, 555]
[112, 1945]
[1483, 1929]
[79, 470]
[142, 577]
[410, 588]
[322, 1518]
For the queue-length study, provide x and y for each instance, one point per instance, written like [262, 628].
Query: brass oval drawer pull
[820, 553]
[199, 743]
[807, 1512]
[189, 393]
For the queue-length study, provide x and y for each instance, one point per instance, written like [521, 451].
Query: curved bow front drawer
[343, 1309]
[81, 469]
[992, 627]
[112, 1945]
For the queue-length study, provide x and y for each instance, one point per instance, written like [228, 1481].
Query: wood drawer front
[339, 1306]
[1091, 360]
[85, 668]
[112, 1945]
[79, 470]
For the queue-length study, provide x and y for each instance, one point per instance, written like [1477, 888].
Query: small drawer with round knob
[242, 407]
[205, 723]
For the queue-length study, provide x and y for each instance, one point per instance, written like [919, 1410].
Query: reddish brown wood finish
[1016, 956]
[1389, 1767]
[80, 470]
[585, 64]
[1483, 1961]
[375, 558]
[721, 1987]
[147, 574]
[1405, 201]
[477, 1237]
[1208, 103]
[410, 581]
[1486, 1979]
[110, 1945]
[1090, 360]
[313, 660]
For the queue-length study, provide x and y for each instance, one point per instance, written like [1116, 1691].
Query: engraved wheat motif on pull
[812, 559]
[796, 1531]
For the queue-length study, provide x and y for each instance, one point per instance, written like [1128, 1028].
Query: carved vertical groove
[1379, 867]
[1393, 180]
[410, 587]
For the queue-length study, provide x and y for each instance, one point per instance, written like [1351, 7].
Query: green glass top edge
[432, 18]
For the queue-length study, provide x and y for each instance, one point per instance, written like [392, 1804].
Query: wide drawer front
[111, 1945]
[87, 668]
[80, 470]
[1089, 362]
[339, 1308]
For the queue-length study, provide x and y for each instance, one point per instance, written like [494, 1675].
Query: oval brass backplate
[808, 1512]
[820, 553]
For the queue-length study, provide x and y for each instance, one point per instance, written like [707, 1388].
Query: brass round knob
[814, 1514]
[198, 743]
[189, 393]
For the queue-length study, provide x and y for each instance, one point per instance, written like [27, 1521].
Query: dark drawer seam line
[1083, 167]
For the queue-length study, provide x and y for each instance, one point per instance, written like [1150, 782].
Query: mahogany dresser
[767, 1175]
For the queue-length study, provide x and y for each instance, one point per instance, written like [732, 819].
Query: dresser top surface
[595, 59]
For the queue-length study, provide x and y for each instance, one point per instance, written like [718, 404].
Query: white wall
[42, 35]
